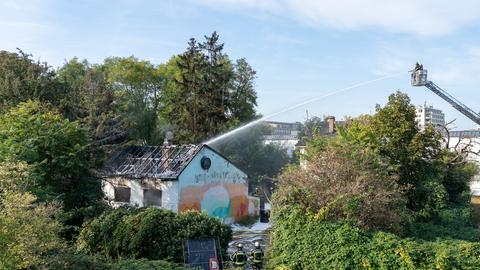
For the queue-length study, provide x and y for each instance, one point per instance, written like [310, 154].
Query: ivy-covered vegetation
[134, 234]
[310, 242]
[383, 194]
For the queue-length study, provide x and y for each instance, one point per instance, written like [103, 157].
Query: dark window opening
[152, 197]
[122, 194]
[205, 163]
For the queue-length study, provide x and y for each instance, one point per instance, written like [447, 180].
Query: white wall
[170, 195]
[169, 191]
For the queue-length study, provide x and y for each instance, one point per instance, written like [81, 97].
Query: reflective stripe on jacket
[239, 258]
[257, 255]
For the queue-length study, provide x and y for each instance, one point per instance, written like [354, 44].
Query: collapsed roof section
[160, 162]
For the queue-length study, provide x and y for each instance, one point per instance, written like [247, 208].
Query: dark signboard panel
[198, 253]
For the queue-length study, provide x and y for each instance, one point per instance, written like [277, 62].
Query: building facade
[283, 134]
[288, 134]
[179, 178]
[428, 115]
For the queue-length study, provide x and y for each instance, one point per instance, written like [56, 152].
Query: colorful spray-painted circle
[216, 202]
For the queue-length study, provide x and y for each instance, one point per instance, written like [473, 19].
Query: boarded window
[152, 197]
[122, 194]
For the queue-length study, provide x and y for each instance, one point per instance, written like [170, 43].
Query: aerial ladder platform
[419, 78]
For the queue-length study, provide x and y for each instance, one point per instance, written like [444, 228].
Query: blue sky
[300, 49]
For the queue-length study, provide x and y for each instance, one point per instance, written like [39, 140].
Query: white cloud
[421, 17]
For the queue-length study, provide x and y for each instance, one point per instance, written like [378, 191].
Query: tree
[72, 76]
[243, 97]
[22, 79]
[203, 95]
[218, 74]
[95, 104]
[137, 85]
[247, 150]
[185, 98]
[425, 168]
[56, 149]
[310, 128]
[28, 234]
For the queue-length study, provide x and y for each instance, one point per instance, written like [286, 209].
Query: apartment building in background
[428, 115]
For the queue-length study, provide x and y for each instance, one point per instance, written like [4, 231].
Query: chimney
[331, 124]
[169, 136]
[167, 145]
[165, 156]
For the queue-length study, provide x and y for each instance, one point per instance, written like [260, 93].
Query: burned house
[179, 178]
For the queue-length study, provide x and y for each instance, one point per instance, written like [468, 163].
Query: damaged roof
[161, 162]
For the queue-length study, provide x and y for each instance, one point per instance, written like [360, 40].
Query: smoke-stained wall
[137, 187]
[221, 190]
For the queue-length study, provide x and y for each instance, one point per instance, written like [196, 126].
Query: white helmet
[257, 243]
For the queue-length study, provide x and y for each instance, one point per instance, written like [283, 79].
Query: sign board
[201, 253]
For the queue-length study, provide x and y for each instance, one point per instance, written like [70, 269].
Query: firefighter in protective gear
[417, 67]
[239, 258]
[257, 256]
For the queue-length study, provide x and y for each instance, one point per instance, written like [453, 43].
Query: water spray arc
[338, 91]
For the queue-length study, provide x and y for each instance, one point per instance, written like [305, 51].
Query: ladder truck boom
[419, 78]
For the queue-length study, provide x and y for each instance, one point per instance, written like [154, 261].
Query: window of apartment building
[152, 197]
[122, 194]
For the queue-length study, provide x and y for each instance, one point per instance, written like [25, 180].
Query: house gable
[220, 189]
[179, 178]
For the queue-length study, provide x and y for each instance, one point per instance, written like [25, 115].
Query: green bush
[77, 261]
[143, 264]
[97, 235]
[150, 233]
[455, 222]
[195, 225]
[68, 259]
[302, 241]
[343, 181]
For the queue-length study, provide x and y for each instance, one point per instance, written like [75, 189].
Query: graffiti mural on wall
[221, 190]
[219, 200]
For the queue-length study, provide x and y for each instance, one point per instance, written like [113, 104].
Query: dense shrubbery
[381, 173]
[143, 264]
[303, 241]
[341, 182]
[454, 222]
[149, 233]
[79, 261]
